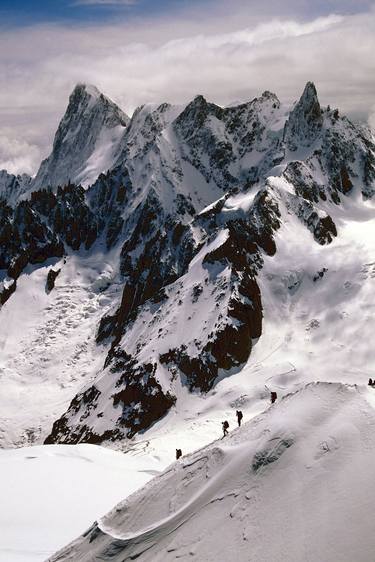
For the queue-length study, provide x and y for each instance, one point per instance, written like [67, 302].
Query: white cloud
[17, 155]
[371, 118]
[174, 59]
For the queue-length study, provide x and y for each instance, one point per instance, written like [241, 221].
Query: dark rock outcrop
[39, 229]
[138, 398]
[51, 278]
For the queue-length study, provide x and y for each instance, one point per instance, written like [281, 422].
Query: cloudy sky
[139, 51]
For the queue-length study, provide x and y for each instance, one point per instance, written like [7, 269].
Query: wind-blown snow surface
[49, 494]
[296, 483]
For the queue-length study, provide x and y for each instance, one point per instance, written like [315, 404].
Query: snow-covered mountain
[216, 232]
[295, 484]
[86, 141]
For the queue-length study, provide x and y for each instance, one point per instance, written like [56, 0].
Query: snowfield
[47, 343]
[49, 494]
[295, 483]
[313, 330]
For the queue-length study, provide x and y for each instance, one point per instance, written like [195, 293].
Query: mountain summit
[214, 229]
[86, 140]
[305, 120]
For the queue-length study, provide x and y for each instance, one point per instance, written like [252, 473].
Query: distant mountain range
[175, 212]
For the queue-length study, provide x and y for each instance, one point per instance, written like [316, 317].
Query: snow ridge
[289, 457]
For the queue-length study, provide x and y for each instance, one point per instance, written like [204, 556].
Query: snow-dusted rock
[305, 120]
[86, 141]
[13, 187]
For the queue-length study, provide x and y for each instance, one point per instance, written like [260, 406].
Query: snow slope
[313, 330]
[49, 494]
[293, 484]
[319, 304]
[47, 342]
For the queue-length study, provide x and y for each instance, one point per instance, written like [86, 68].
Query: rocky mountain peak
[309, 103]
[305, 120]
[195, 114]
[267, 95]
[176, 238]
[199, 100]
[82, 91]
[86, 140]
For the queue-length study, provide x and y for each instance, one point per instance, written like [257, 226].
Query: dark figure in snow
[273, 397]
[178, 454]
[225, 425]
[239, 415]
[370, 383]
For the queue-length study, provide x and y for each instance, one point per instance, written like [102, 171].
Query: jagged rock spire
[91, 124]
[195, 114]
[305, 120]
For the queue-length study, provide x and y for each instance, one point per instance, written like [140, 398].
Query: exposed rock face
[107, 199]
[302, 178]
[86, 140]
[13, 187]
[196, 126]
[230, 346]
[138, 398]
[217, 141]
[51, 278]
[191, 208]
[305, 120]
[39, 229]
